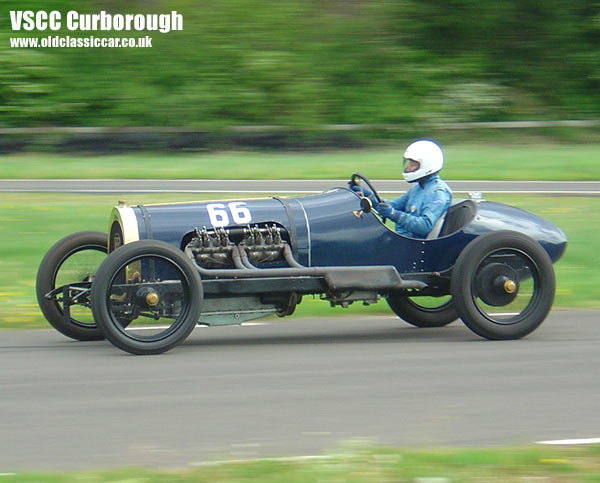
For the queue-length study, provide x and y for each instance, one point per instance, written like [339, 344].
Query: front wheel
[424, 311]
[146, 297]
[503, 285]
[75, 258]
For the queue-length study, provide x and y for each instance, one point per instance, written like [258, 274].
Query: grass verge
[549, 161]
[31, 223]
[574, 464]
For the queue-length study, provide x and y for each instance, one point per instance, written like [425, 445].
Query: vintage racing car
[172, 266]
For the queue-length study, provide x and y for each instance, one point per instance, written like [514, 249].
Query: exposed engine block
[212, 248]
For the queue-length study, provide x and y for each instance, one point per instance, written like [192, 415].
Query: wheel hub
[509, 286]
[152, 299]
[148, 296]
[497, 284]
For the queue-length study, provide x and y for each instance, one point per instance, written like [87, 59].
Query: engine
[212, 248]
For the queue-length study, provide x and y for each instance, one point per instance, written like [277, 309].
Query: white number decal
[217, 212]
[239, 213]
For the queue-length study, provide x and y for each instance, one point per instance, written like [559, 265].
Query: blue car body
[172, 266]
[329, 229]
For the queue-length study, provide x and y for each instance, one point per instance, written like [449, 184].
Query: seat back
[457, 216]
[437, 227]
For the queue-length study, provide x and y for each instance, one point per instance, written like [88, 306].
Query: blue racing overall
[417, 210]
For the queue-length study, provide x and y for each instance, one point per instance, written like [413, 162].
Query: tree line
[312, 62]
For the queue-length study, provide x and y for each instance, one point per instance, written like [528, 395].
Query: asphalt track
[565, 188]
[293, 387]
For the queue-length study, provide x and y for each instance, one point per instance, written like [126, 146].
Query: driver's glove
[385, 210]
[354, 187]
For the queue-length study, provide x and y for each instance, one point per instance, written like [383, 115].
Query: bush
[305, 63]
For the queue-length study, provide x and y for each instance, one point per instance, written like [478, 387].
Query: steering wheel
[365, 203]
[366, 181]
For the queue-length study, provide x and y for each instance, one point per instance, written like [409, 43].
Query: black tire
[146, 253]
[409, 310]
[46, 281]
[479, 280]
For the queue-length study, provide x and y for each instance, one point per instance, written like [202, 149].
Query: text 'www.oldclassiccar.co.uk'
[44, 21]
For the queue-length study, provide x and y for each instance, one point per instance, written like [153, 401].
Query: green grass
[31, 223]
[575, 464]
[473, 161]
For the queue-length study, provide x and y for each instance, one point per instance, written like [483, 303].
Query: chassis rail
[247, 279]
[381, 277]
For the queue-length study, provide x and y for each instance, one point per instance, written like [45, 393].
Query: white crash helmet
[422, 158]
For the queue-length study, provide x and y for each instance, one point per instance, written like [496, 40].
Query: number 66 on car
[163, 269]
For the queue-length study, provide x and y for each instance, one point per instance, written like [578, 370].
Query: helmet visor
[410, 165]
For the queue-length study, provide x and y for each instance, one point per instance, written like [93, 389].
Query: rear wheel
[503, 285]
[75, 258]
[147, 297]
[424, 311]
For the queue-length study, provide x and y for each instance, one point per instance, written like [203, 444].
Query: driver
[417, 210]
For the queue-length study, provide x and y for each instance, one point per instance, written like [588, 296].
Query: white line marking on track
[167, 190]
[571, 441]
[270, 192]
[333, 181]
